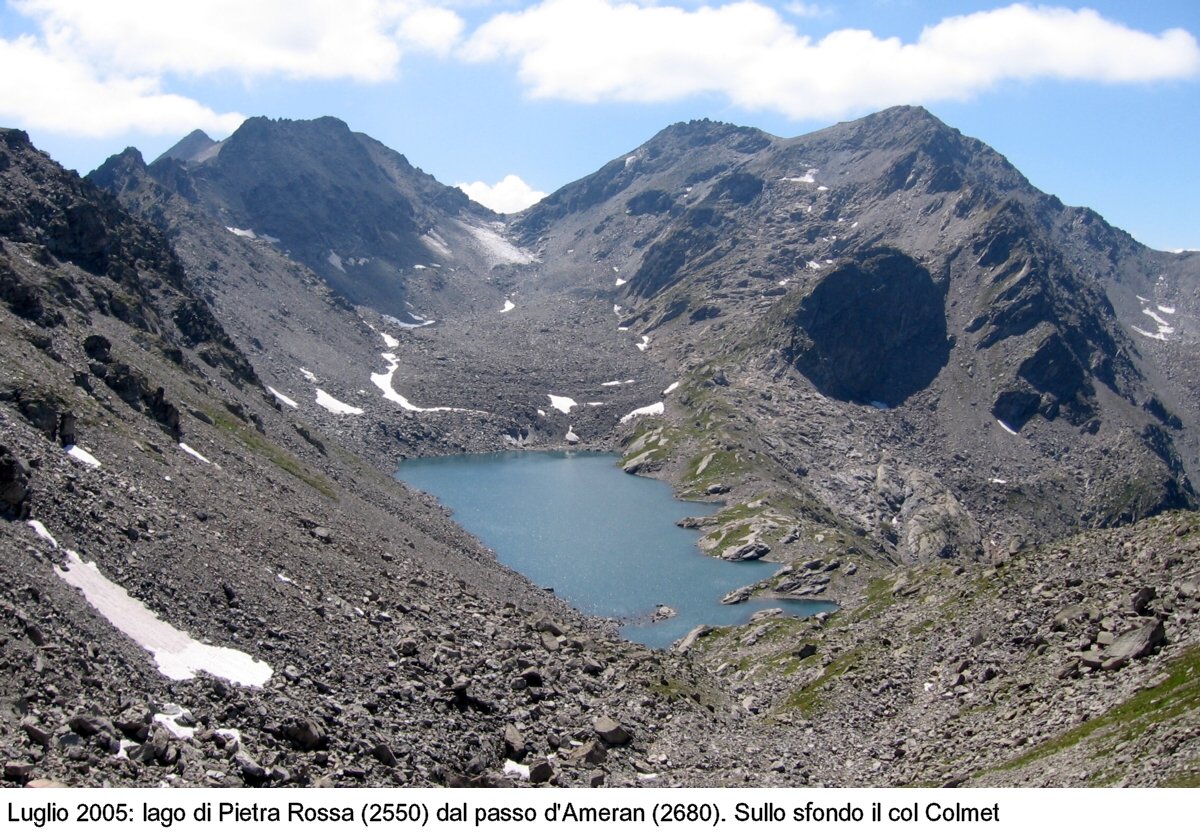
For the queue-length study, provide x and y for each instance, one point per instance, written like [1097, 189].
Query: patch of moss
[1189, 779]
[657, 445]
[254, 441]
[879, 599]
[809, 699]
[1175, 695]
[730, 538]
[722, 465]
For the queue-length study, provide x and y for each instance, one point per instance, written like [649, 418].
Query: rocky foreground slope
[212, 422]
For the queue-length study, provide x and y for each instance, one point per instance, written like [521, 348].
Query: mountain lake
[602, 540]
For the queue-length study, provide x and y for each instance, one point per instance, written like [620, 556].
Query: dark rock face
[650, 202]
[1050, 381]
[872, 331]
[739, 187]
[14, 485]
[698, 237]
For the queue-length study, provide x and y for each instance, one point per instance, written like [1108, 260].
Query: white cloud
[302, 39]
[808, 10]
[103, 69]
[59, 94]
[510, 194]
[434, 30]
[602, 50]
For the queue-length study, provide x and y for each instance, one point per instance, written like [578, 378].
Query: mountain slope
[965, 353]
[378, 230]
[138, 449]
[897, 363]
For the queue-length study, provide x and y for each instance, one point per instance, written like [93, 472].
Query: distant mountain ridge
[381, 232]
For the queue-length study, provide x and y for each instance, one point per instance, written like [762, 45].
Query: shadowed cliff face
[872, 331]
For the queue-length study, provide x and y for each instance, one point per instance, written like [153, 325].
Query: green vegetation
[879, 599]
[653, 446]
[1185, 780]
[1175, 695]
[259, 444]
[808, 700]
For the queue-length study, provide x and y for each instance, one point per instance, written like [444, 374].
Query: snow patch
[187, 449]
[1155, 335]
[616, 309]
[1153, 315]
[244, 234]
[1164, 328]
[338, 408]
[822, 188]
[1166, 309]
[1002, 424]
[436, 242]
[499, 250]
[807, 177]
[308, 375]
[655, 409]
[43, 533]
[619, 282]
[998, 481]
[383, 380]
[671, 389]
[282, 398]
[644, 343]
[335, 260]
[177, 654]
[509, 305]
[420, 321]
[83, 455]
[563, 404]
[169, 719]
[515, 769]
[389, 341]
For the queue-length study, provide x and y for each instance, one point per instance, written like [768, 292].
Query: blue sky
[1098, 104]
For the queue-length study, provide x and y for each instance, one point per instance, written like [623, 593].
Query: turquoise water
[604, 541]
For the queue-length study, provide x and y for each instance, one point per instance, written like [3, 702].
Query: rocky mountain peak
[697, 133]
[195, 147]
[120, 171]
